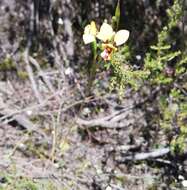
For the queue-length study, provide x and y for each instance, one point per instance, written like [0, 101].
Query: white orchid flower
[107, 35]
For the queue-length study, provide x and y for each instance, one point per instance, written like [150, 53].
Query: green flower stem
[92, 67]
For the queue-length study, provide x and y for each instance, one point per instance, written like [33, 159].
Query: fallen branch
[115, 120]
[42, 74]
[31, 76]
[143, 156]
[101, 123]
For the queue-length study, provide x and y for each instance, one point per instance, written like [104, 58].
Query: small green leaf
[116, 18]
[161, 48]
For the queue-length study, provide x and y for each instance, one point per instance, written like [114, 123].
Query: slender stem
[92, 67]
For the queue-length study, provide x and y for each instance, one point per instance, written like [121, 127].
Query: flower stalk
[93, 66]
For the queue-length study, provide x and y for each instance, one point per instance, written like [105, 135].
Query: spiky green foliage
[165, 66]
[157, 61]
[122, 73]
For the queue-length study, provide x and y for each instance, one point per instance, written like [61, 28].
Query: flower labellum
[105, 55]
[108, 49]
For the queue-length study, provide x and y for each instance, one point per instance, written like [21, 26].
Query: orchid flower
[111, 39]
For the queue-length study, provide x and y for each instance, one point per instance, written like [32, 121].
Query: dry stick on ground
[31, 76]
[105, 122]
[42, 74]
[111, 121]
[143, 156]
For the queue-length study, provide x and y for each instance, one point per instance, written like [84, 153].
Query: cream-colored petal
[87, 29]
[93, 29]
[106, 32]
[121, 37]
[88, 38]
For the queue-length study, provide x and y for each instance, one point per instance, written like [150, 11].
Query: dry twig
[31, 76]
[42, 74]
[148, 155]
[112, 121]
